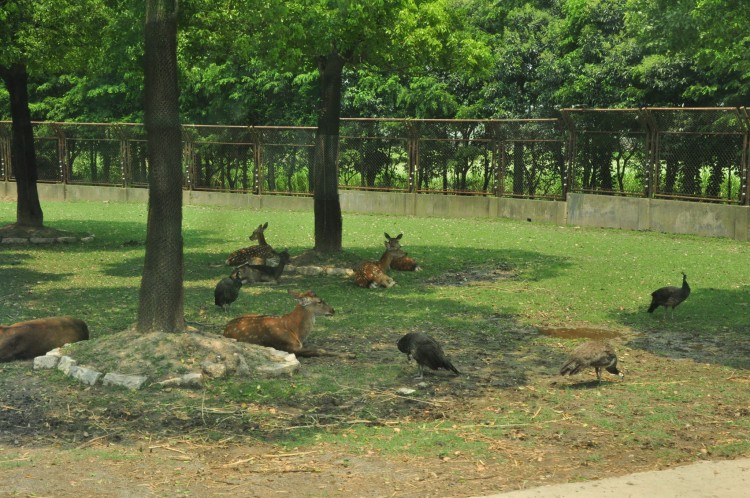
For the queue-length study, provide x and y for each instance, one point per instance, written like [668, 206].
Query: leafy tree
[39, 37]
[161, 294]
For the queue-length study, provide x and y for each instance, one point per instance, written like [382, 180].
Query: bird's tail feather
[570, 368]
[449, 366]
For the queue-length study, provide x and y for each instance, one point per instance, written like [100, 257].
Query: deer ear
[387, 236]
[265, 226]
[399, 236]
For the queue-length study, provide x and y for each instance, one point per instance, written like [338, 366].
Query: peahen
[670, 296]
[597, 354]
[426, 352]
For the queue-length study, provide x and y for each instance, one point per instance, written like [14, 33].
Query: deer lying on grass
[404, 263]
[285, 332]
[253, 254]
[25, 340]
[263, 273]
[372, 273]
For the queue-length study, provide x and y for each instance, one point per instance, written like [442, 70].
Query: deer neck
[385, 260]
[301, 320]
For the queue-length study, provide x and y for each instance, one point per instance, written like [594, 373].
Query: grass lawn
[508, 300]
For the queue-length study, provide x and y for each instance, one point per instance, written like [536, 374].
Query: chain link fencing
[689, 154]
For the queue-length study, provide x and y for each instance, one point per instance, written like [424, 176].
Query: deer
[263, 273]
[404, 263]
[253, 254]
[372, 273]
[25, 340]
[285, 332]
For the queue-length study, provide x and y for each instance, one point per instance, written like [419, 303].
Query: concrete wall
[628, 213]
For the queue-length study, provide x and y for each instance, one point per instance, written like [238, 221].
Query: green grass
[676, 397]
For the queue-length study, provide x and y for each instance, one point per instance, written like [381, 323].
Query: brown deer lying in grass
[372, 273]
[404, 263]
[285, 332]
[253, 254]
[24, 340]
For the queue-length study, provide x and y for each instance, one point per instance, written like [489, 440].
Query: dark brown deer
[257, 254]
[372, 273]
[264, 273]
[25, 340]
[404, 263]
[286, 332]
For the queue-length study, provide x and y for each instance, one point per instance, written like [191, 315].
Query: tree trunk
[161, 295]
[22, 152]
[328, 223]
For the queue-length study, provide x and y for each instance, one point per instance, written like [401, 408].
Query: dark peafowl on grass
[670, 297]
[596, 354]
[426, 352]
[228, 290]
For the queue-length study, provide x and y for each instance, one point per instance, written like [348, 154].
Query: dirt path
[185, 469]
[726, 479]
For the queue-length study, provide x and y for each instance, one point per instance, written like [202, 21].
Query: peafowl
[426, 352]
[597, 354]
[670, 296]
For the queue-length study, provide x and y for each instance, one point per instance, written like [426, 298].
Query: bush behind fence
[697, 154]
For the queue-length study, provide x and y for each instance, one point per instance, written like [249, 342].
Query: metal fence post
[745, 161]
[413, 156]
[255, 136]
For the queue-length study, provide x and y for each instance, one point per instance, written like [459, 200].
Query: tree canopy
[255, 62]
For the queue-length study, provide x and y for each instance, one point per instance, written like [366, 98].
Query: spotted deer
[257, 254]
[24, 340]
[404, 263]
[285, 332]
[372, 273]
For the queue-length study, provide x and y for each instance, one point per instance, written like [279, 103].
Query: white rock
[340, 272]
[41, 240]
[46, 361]
[54, 352]
[309, 271]
[65, 363]
[14, 240]
[278, 369]
[214, 370]
[127, 381]
[85, 375]
[87, 239]
[67, 240]
[405, 390]
[187, 380]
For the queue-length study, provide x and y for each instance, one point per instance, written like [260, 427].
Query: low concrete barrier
[605, 211]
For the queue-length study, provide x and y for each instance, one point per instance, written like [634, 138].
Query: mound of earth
[21, 232]
[161, 356]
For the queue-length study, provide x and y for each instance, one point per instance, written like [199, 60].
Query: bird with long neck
[669, 297]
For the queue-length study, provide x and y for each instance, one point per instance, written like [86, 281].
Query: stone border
[44, 240]
[285, 364]
[312, 271]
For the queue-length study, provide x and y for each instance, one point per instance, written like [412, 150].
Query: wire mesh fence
[693, 154]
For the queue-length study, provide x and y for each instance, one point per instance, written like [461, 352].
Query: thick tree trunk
[22, 152]
[161, 295]
[328, 223]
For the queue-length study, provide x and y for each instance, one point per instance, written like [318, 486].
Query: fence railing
[695, 154]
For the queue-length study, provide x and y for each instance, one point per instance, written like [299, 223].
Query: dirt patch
[474, 275]
[20, 232]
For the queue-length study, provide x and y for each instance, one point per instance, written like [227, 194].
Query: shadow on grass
[710, 326]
